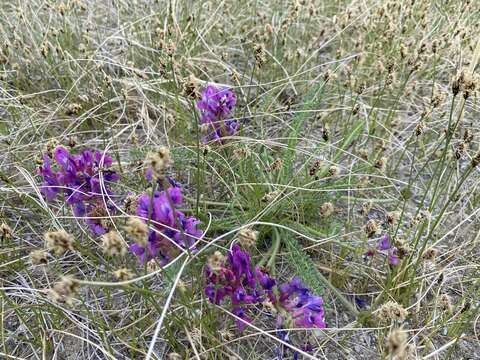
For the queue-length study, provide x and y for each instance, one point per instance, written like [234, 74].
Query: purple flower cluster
[78, 178]
[247, 287]
[386, 249]
[215, 106]
[170, 229]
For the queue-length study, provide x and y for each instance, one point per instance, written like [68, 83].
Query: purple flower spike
[215, 106]
[249, 287]
[384, 243]
[78, 178]
[172, 229]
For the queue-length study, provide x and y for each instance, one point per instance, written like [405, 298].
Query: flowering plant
[170, 229]
[77, 177]
[248, 287]
[215, 106]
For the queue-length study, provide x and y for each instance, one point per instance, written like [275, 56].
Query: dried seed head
[460, 150]
[72, 141]
[419, 129]
[191, 87]
[216, 261]
[271, 196]
[138, 230]
[371, 228]
[327, 209]
[391, 311]
[392, 217]
[315, 167]
[260, 55]
[247, 237]
[241, 153]
[468, 136]
[437, 99]
[363, 181]
[396, 340]
[6, 231]
[403, 248]
[363, 153]
[73, 109]
[455, 86]
[152, 266]
[131, 204]
[422, 216]
[122, 274]
[50, 146]
[62, 8]
[333, 171]
[159, 161]
[275, 165]
[64, 290]
[381, 164]
[100, 215]
[430, 254]
[445, 303]
[329, 76]
[476, 160]
[113, 244]
[325, 132]
[397, 343]
[38, 257]
[58, 241]
[466, 82]
[366, 207]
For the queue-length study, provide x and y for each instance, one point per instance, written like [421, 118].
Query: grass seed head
[113, 244]
[271, 196]
[247, 237]
[6, 231]
[159, 161]
[122, 274]
[58, 241]
[138, 230]
[64, 290]
[430, 254]
[327, 209]
[216, 261]
[39, 257]
[391, 311]
[445, 303]
[371, 228]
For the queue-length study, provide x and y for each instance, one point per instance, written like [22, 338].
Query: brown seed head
[113, 244]
[216, 261]
[138, 230]
[122, 274]
[38, 257]
[391, 311]
[159, 161]
[64, 290]
[327, 209]
[247, 237]
[58, 241]
[371, 228]
[6, 231]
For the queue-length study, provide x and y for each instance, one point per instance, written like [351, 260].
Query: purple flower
[215, 106]
[77, 177]
[248, 286]
[386, 249]
[172, 229]
[384, 243]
